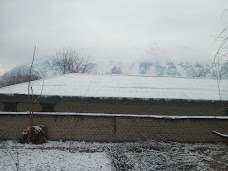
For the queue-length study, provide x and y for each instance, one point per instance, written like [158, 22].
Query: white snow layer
[123, 86]
[118, 115]
[33, 158]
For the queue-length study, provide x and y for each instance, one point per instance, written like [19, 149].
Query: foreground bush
[39, 135]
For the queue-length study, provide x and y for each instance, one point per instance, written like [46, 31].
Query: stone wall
[116, 128]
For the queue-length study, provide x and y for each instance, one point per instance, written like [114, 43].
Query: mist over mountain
[170, 69]
[44, 68]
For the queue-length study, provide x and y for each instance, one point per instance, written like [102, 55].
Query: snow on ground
[56, 160]
[146, 155]
[152, 155]
[123, 86]
[32, 158]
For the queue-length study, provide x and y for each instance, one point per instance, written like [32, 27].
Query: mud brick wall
[1, 107]
[114, 128]
[142, 108]
[124, 105]
[22, 107]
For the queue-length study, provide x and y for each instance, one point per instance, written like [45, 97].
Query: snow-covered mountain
[176, 70]
[154, 69]
[43, 69]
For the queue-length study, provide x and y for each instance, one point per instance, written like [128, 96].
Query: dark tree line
[11, 79]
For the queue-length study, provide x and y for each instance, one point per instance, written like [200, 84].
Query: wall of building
[116, 128]
[22, 107]
[142, 108]
[1, 107]
[126, 106]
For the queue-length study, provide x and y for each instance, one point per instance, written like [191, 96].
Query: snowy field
[87, 156]
[122, 86]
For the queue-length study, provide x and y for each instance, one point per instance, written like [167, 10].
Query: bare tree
[33, 134]
[221, 55]
[31, 99]
[220, 63]
[71, 61]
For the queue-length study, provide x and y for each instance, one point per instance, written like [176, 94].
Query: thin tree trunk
[30, 99]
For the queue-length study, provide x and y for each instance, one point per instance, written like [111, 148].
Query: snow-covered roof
[123, 86]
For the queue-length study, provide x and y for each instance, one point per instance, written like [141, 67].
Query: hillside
[43, 68]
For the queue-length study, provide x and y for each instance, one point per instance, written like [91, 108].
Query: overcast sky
[181, 30]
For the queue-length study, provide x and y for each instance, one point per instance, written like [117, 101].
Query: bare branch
[30, 100]
[71, 61]
[40, 92]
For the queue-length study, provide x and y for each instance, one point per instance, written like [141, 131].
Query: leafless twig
[40, 92]
[30, 99]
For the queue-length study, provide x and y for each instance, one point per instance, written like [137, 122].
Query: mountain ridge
[45, 69]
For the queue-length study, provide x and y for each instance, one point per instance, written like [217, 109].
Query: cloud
[108, 29]
[2, 71]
